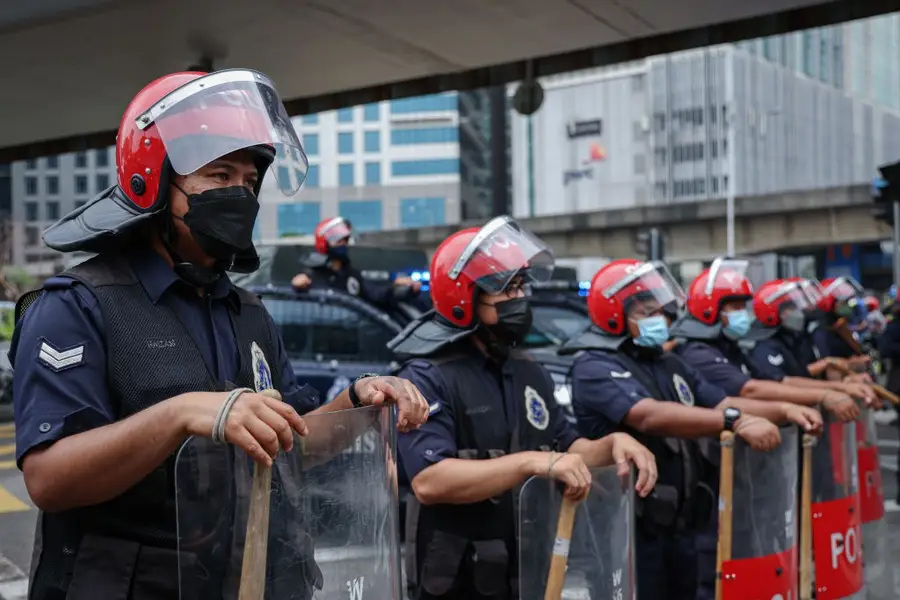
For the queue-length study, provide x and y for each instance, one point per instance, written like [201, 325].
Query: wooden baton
[883, 392]
[726, 493]
[558, 563]
[806, 558]
[256, 542]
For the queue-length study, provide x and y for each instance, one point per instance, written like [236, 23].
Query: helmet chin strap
[193, 274]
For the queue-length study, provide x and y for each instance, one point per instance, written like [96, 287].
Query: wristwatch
[732, 415]
[354, 397]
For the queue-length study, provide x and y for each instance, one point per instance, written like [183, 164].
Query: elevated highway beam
[696, 230]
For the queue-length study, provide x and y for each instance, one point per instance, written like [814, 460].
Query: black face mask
[221, 220]
[513, 321]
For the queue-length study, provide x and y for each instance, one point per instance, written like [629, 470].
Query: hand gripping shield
[324, 527]
[834, 513]
[757, 554]
[578, 551]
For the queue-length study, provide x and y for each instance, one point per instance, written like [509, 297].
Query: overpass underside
[695, 231]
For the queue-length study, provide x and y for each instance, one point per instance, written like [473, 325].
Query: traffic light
[886, 191]
[650, 243]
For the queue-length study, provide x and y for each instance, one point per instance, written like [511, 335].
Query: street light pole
[732, 154]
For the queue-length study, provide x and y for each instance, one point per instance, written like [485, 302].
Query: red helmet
[182, 122]
[872, 303]
[838, 289]
[331, 231]
[776, 295]
[616, 284]
[811, 287]
[485, 259]
[723, 281]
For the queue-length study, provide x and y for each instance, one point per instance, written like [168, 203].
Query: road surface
[18, 516]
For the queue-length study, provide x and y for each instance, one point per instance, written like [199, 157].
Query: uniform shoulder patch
[536, 409]
[683, 390]
[776, 360]
[353, 286]
[59, 359]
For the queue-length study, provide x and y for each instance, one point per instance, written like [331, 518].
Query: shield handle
[557, 576]
[256, 544]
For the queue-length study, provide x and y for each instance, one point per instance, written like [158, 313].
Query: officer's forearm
[458, 481]
[771, 410]
[783, 391]
[674, 419]
[815, 384]
[97, 465]
[595, 453]
[817, 369]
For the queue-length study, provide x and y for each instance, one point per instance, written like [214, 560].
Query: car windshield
[553, 325]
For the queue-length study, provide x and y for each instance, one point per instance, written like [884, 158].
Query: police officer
[889, 347]
[493, 419]
[716, 323]
[121, 358]
[783, 311]
[841, 299]
[329, 267]
[623, 380]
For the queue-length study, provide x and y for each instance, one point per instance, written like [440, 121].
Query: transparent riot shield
[324, 528]
[585, 550]
[758, 519]
[879, 583]
[836, 531]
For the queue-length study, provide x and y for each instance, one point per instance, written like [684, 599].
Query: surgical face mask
[794, 321]
[844, 310]
[653, 332]
[221, 221]
[738, 323]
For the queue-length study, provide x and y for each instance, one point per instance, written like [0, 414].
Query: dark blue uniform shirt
[604, 390]
[724, 366]
[436, 439]
[50, 404]
[828, 343]
[770, 354]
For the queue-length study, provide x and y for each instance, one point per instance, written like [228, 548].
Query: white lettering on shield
[355, 588]
[617, 584]
[846, 544]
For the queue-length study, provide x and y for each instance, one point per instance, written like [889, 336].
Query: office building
[684, 127]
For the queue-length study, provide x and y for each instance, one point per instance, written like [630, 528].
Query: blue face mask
[738, 323]
[339, 252]
[653, 332]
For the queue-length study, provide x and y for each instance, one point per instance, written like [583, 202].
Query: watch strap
[354, 397]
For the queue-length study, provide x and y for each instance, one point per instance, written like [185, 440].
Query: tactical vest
[680, 500]
[109, 550]
[470, 551]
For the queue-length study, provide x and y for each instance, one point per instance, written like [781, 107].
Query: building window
[102, 157]
[345, 115]
[52, 211]
[31, 186]
[345, 174]
[52, 162]
[373, 173]
[371, 112]
[101, 181]
[431, 103]
[31, 164]
[81, 160]
[373, 141]
[52, 185]
[297, 218]
[427, 135]
[435, 166]
[311, 144]
[31, 211]
[31, 236]
[345, 143]
[310, 119]
[422, 212]
[364, 214]
[312, 177]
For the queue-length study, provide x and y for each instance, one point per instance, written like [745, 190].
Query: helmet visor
[844, 289]
[501, 251]
[221, 113]
[789, 294]
[336, 230]
[813, 290]
[645, 289]
[727, 275]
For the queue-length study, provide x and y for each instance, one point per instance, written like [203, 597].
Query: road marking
[6, 449]
[894, 444]
[9, 503]
[6, 465]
